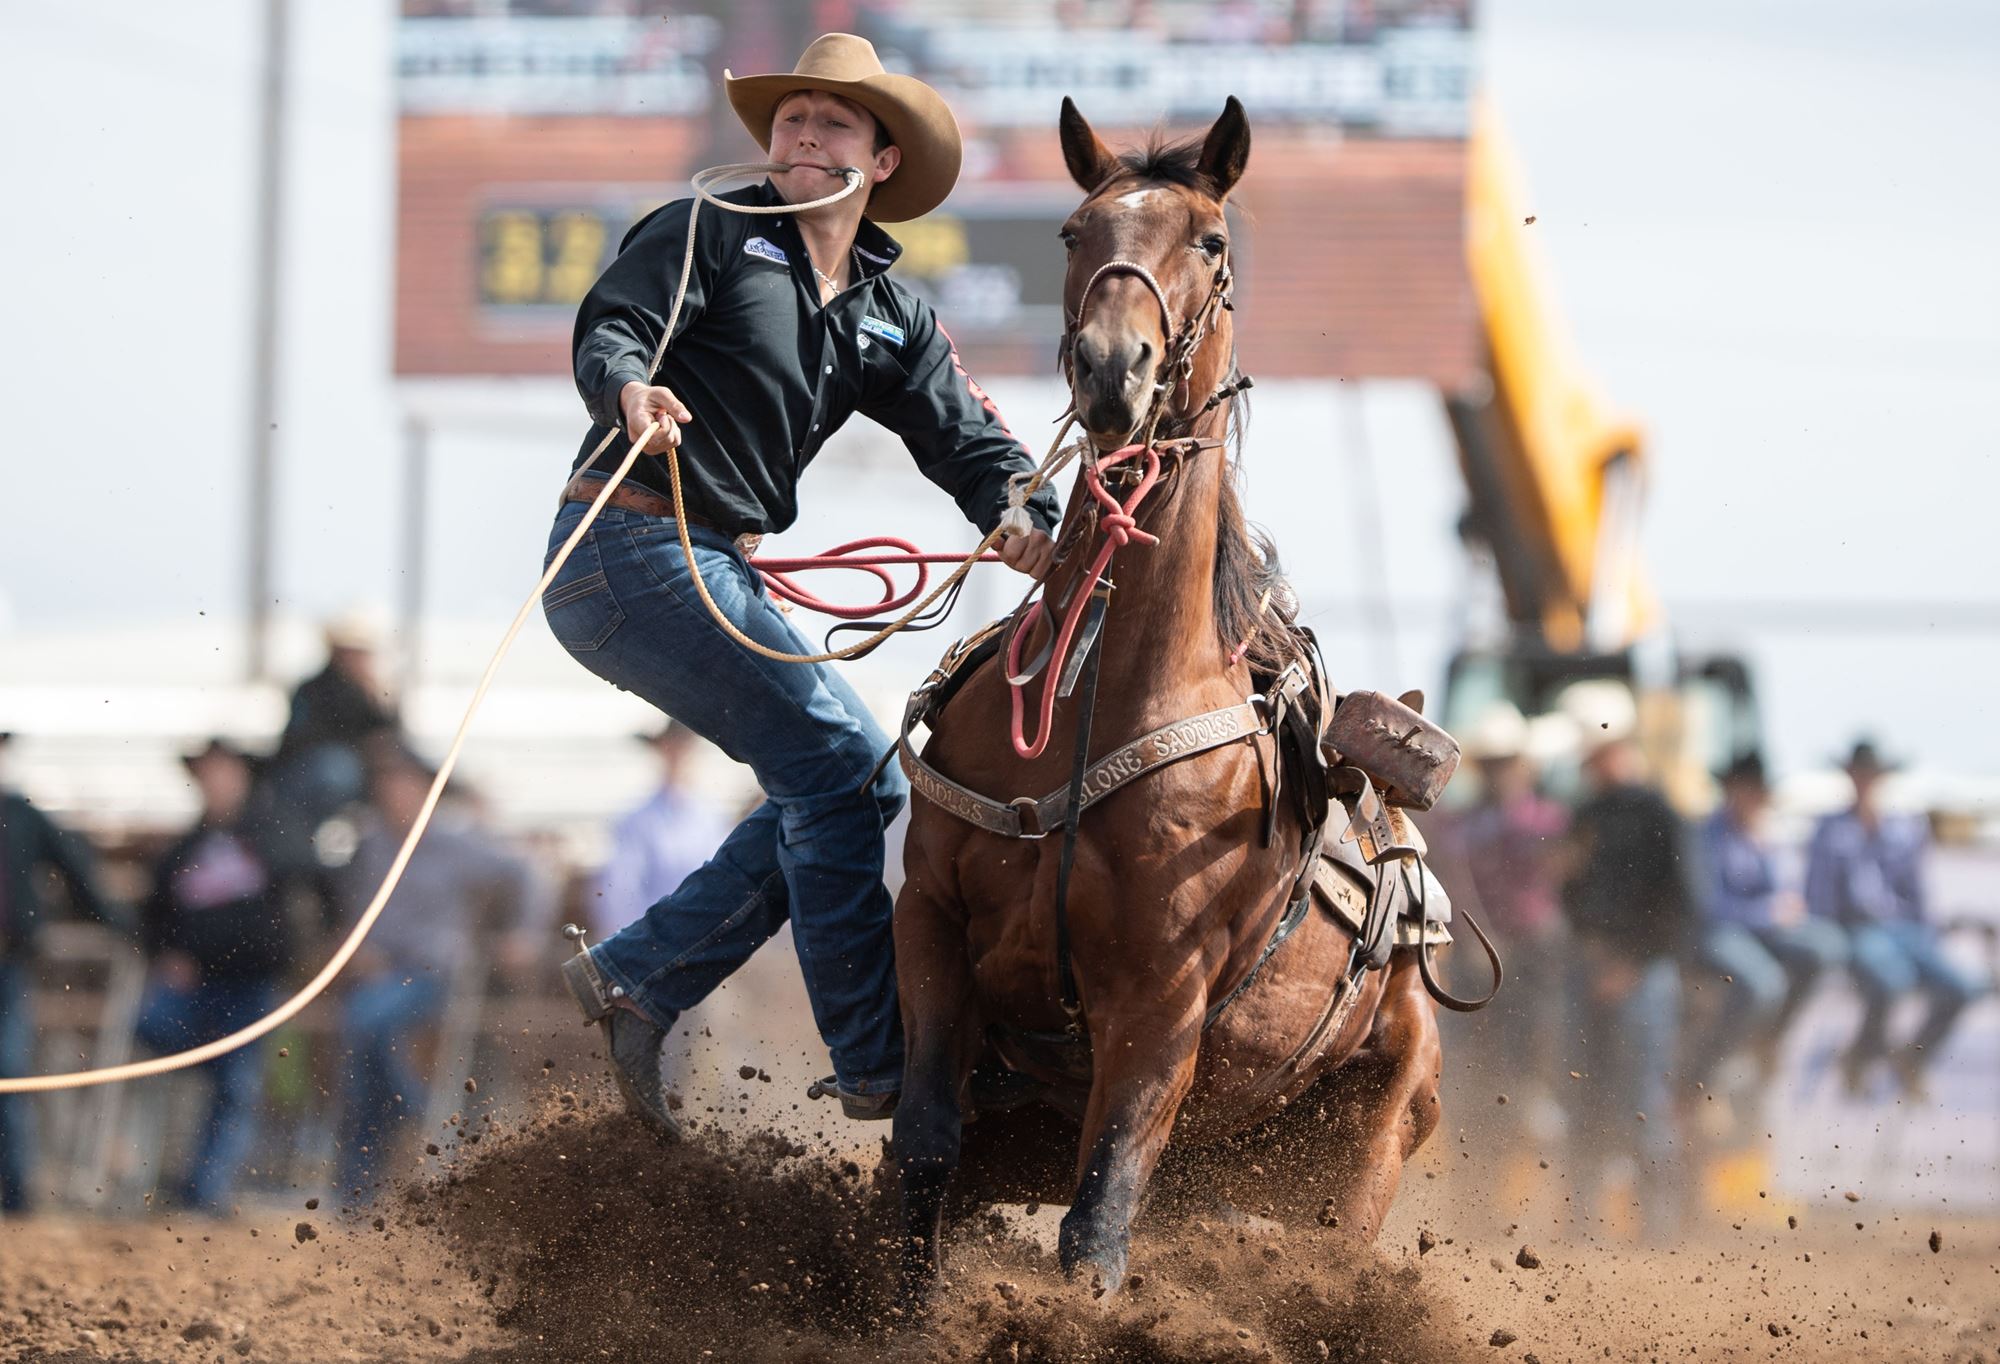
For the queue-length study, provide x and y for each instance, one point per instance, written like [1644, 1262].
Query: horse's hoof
[1086, 1259]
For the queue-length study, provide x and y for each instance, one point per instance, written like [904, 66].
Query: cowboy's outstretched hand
[644, 404]
[1032, 554]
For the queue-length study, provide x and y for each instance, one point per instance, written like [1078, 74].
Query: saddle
[1368, 757]
[1362, 754]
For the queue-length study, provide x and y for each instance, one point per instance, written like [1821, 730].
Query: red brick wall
[449, 167]
[1354, 265]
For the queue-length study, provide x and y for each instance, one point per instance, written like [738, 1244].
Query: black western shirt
[770, 375]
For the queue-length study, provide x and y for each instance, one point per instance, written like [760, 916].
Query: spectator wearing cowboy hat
[1508, 840]
[459, 890]
[31, 845]
[1755, 934]
[216, 931]
[1631, 905]
[792, 325]
[1865, 872]
[337, 716]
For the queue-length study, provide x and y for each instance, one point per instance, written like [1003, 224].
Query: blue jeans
[1773, 969]
[1890, 960]
[377, 1022]
[625, 607]
[174, 1020]
[17, 1058]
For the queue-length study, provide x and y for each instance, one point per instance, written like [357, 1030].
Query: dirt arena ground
[571, 1235]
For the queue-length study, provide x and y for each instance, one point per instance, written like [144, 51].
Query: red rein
[777, 573]
[1115, 522]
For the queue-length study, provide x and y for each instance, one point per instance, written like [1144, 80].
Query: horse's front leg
[1145, 1063]
[1386, 1100]
[941, 1041]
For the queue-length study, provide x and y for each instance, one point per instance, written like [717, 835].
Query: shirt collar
[875, 249]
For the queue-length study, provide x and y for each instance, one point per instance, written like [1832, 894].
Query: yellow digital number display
[540, 258]
[511, 273]
[933, 246]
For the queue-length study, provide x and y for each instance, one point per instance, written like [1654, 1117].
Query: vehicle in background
[1555, 479]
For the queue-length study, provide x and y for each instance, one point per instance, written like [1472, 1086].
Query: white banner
[554, 66]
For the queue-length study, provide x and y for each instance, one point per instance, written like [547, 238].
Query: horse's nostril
[1144, 358]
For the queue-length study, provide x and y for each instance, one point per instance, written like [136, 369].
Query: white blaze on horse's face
[1122, 332]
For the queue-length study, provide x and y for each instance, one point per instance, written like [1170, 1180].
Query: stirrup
[594, 995]
[860, 1107]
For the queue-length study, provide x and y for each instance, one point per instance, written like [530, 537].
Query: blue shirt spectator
[1861, 871]
[1755, 934]
[1741, 879]
[659, 842]
[1865, 872]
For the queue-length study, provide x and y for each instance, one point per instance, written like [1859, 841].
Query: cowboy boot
[632, 1041]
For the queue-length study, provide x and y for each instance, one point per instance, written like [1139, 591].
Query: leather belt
[583, 487]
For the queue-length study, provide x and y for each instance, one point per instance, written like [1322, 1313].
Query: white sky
[1771, 223]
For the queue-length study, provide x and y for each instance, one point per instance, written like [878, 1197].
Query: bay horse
[1177, 885]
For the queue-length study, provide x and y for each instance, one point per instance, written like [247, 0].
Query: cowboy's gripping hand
[644, 404]
[1032, 554]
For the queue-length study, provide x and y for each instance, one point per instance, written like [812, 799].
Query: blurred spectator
[1865, 872]
[657, 843]
[30, 846]
[1508, 841]
[1630, 904]
[1755, 935]
[337, 717]
[424, 945]
[215, 929]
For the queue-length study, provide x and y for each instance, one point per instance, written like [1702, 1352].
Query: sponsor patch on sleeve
[888, 331]
[757, 246]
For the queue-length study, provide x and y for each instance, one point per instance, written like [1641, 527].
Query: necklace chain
[853, 254]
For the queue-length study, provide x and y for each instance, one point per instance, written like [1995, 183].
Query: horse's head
[1146, 295]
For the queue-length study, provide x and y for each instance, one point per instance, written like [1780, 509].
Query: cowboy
[1755, 934]
[31, 845]
[1865, 872]
[219, 942]
[791, 325]
[1510, 839]
[1630, 903]
[462, 897]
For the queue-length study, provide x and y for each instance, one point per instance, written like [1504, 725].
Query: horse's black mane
[1246, 568]
[1177, 163]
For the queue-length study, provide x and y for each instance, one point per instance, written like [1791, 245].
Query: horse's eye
[1211, 245]
[1068, 239]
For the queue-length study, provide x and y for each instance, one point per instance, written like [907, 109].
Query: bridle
[1184, 342]
[1136, 470]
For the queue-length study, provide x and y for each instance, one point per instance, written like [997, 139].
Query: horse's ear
[1226, 150]
[1088, 159]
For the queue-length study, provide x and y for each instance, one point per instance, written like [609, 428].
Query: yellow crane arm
[1572, 467]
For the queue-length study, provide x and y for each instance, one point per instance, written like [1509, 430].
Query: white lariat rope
[222, 1046]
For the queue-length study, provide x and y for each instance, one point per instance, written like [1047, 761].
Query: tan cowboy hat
[914, 115]
[358, 628]
[1499, 731]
